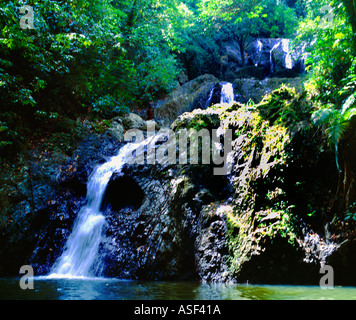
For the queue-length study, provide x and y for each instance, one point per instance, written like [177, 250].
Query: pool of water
[111, 289]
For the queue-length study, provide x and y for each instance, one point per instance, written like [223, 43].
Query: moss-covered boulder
[276, 198]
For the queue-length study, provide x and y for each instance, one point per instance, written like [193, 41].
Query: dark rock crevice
[122, 192]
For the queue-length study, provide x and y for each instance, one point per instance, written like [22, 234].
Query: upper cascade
[227, 93]
[263, 58]
[277, 55]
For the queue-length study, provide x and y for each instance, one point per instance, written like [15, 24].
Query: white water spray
[80, 258]
[271, 56]
[288, 60]
[227, 93]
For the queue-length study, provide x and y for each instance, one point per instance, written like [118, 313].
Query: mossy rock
[197, 120]
[287, 107]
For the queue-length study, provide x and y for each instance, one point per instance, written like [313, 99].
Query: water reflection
[111, 289]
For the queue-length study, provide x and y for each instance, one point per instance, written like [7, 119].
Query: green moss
[102, 126]
[286, 107]
[197, 120]
[262, 136]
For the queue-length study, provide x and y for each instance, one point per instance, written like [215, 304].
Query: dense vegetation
[99, 59]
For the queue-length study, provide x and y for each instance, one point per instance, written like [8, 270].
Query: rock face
[189, 224]
[265, 58]
[212, 250]
[153, 242]
[192, 95]
[172, 235]
[54, 189]
[255, 90]
[262, 223]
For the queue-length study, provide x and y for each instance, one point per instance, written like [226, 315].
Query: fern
[349, 103]
[324, 116]
[336, 123]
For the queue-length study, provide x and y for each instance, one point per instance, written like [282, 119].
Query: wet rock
[212, 244]
[276, 55]
[264, 58]
[255, 90]
[152, 241]
[343, 262]
[192, 95]
[117, 131]
[134, 121]
[62, 199]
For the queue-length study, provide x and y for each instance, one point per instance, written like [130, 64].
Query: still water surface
[110, 289]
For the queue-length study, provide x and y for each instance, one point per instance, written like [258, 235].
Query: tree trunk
[241, 41]
[350, 6]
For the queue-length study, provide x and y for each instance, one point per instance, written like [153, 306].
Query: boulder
[117, 131]
[182, 78]
[134, 121]
[233, 52]
[212, 243]
[197, 119]
[153, 124]
[255, 90]
[190, 96]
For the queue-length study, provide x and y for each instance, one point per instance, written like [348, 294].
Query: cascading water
[227, 93]
[271, 57]
[288, 59]
[208, 102]
[80, 258]
[259, 46]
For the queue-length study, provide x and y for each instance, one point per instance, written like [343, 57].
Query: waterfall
[259, 48]
[208, 102]
[81, 255]
[288, 59]
[227, 93]
[271, 56]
